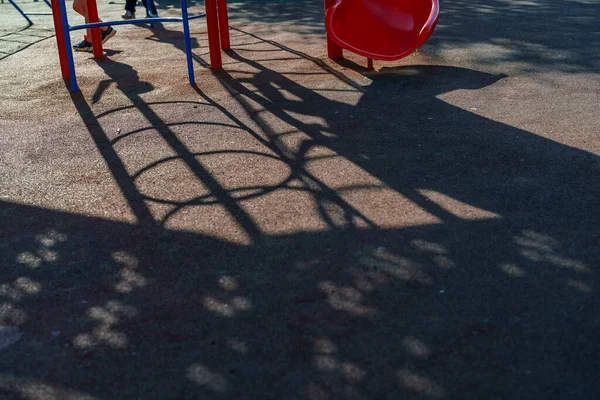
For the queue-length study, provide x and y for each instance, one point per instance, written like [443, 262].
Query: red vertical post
[212, 25]
[60, 43]
[369, 64]
[333, 50]
[223, 24]
[92, 11]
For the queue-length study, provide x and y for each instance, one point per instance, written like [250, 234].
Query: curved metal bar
[188, 43]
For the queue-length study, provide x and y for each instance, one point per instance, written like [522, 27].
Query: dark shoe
[84, 45]
[107, 34]
[128, 15]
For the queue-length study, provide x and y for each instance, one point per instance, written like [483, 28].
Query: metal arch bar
[39, 13]
[131, 22]
[188, 44]
[67, 40]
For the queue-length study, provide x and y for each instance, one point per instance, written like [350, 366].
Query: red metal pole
[58, 29]
[92, 11]
[369, 64]
[333, 50]
[223, 24]
[212, 25]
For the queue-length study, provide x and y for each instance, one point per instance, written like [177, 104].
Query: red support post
[333, 50]
[58, 29]
[223, 24]
[92, 11]
[369, 64]
[212, 25]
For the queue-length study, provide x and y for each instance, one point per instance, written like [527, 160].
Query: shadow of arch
[150, 128]
[151, 103]
[206, 153]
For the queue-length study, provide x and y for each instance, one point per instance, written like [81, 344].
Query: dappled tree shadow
[303, 16]
[543, 34]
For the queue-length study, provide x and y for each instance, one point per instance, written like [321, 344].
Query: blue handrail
[132, 22]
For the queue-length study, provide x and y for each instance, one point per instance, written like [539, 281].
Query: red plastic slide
[380, 29]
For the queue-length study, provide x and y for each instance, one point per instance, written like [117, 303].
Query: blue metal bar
[131, 22]
[68, 48]
[48, 3]
[188, 42]
[20, 11]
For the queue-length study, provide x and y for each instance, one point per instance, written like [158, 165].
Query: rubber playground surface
[298, 228]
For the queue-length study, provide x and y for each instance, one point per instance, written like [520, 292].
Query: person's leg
[152, 7]
[80, 7]
[129, 9]
[106, 32]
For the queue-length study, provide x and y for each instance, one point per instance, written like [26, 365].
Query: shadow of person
[174, 37]
[124, 76]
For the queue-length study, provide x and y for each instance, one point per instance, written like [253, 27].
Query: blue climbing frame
[27, 14]
[92, 13]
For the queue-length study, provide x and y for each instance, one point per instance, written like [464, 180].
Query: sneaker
[84, 45]
[128, 15]
[107, 34]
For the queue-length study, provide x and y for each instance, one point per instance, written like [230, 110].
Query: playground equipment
[216, 13]
[379, 29]
[27, 14]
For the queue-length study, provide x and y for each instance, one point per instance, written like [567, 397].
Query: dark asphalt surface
[298, 228]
